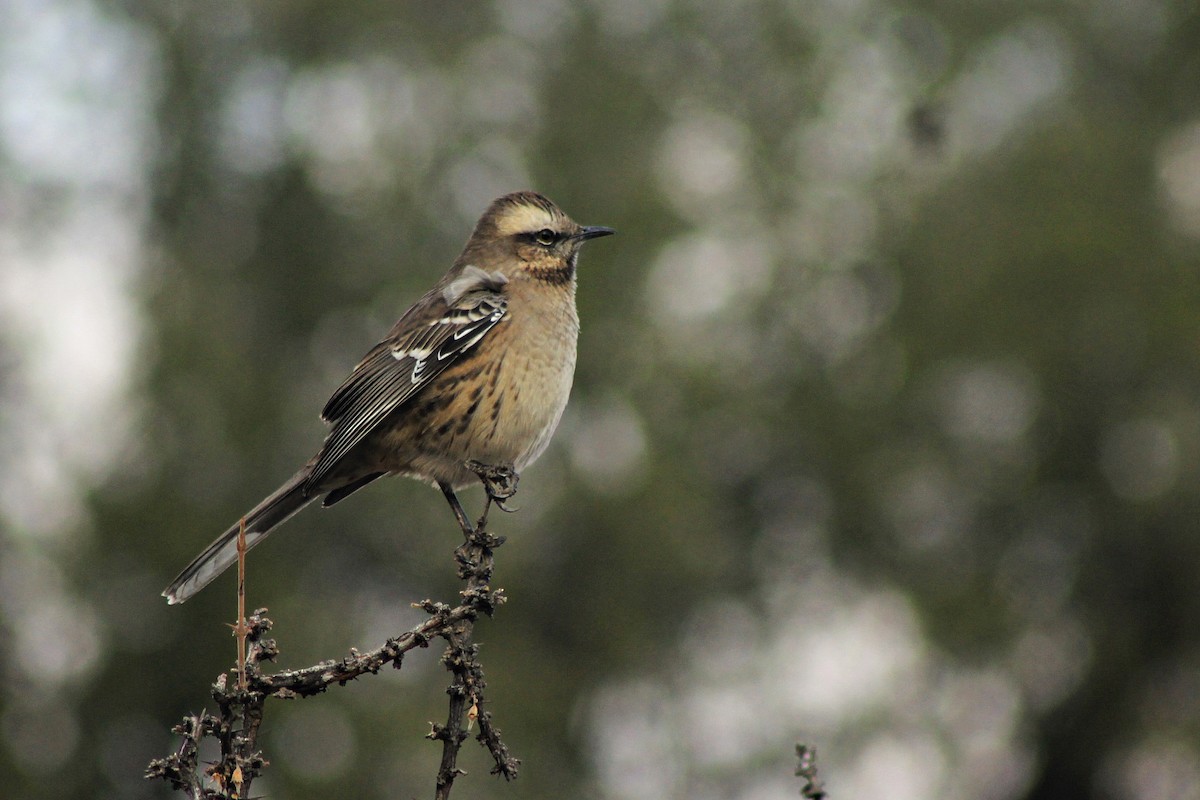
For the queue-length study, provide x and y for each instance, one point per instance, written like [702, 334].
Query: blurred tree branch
[813, 788]
[240, 706]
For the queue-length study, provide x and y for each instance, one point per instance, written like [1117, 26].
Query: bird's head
[524, 232]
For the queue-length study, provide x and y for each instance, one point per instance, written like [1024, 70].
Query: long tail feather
[218, 556]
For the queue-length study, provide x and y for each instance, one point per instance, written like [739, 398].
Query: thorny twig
[235, 727]
[240, 706]
[475, 563]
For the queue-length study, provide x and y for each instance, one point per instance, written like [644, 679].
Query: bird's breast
[501, 403]
[535, 366]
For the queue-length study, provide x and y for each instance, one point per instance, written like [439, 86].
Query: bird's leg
[499, 482]
[456, 507]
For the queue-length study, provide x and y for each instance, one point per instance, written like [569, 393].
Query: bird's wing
[429, 338]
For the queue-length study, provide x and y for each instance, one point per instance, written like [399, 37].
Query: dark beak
[594, 232]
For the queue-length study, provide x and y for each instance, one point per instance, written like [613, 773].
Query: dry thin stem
[240, 629]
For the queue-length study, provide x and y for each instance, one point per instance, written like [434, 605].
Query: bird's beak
[594, 232]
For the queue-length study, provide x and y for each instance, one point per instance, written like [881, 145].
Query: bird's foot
[500, 484]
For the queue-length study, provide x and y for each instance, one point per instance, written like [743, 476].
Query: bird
[468, 385]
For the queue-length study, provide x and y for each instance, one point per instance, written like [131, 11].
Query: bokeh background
[885, 434]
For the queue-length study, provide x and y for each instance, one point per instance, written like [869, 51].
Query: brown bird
[468, 385]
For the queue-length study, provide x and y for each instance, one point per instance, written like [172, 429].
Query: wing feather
[401, 366]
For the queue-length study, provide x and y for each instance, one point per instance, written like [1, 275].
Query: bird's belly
[517, 418]
[532, 395]
[502, 412]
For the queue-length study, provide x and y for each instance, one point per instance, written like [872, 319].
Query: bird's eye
[545, 237]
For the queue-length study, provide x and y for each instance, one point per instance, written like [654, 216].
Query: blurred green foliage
[892, 366]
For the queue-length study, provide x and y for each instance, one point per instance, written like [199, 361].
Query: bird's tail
[218, 556]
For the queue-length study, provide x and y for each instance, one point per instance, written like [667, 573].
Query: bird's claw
[500, 482]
